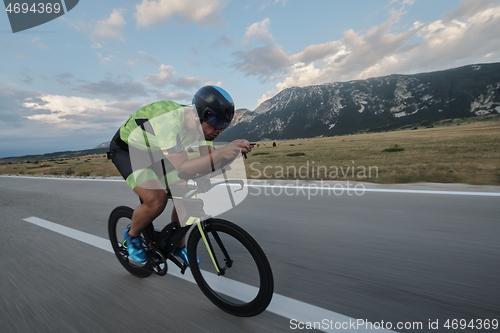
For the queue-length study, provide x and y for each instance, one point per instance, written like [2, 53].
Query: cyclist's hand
[234, 148]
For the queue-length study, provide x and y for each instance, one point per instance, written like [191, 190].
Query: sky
[70, 83]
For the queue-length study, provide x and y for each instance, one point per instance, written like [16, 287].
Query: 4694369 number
[471, 324]
[35, 8]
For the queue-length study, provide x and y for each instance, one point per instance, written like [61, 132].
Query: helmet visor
[216, 121]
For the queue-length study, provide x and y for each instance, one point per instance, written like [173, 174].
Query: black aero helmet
[214, 106]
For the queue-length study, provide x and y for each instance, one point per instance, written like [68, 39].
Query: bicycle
[230, 260]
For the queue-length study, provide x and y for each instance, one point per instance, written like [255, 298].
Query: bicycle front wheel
[233, 272]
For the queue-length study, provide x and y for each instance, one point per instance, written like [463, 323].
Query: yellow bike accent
[200, 228]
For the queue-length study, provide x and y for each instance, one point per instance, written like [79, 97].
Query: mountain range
[375, 104]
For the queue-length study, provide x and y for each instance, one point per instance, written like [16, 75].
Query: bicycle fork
[177, 235]
[210, 249]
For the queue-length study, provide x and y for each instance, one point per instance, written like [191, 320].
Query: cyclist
[165, 129]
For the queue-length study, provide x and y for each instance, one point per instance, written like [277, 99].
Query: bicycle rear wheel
[119, 219]
[244, 284]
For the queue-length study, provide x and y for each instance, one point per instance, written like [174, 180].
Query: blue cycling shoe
[183, 254]
[134, 247]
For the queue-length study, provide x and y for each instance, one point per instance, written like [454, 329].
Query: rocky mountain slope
[375, 104]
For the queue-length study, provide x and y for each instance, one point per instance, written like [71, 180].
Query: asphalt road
[384, 257]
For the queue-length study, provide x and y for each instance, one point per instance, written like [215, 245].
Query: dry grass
[85, 166]
[469, 153]
[455, 154]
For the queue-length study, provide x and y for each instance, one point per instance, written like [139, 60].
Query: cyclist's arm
[192, 166]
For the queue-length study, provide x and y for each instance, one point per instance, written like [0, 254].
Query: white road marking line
[65, 178]
[297, 311]
[81, 236]
[326, 189]
[360, 190]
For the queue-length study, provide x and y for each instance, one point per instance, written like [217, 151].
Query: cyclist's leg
[154, 199]
[147, 186]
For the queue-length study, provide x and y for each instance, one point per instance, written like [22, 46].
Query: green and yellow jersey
[153, 132]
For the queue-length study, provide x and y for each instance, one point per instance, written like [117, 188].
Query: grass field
[454, 154]
[457, 152]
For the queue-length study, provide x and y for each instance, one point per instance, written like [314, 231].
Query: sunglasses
[216, 121]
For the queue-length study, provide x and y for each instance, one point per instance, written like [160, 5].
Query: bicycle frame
[166, 240]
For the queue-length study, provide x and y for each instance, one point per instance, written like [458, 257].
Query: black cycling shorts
[120, 156]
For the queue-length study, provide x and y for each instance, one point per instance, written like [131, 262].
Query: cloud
[120, 90]
[39, 44]
[148, 58]
[38, 122]
[132, 62]
[66, 79]
[12, 110]
[268, 62]
[265, 62]
[22, 108]
[26, 77]
[111, 27]
[105, 59]
[157, 12]
[404, 2]
[166, 76]
[259, 31]
[128, 107]
[79, 25]
[469, 8]
[190, 82]
[176, 96]
[299, 75]
[313, 53]
[58, 109]
[144, 58]
[221, 42]
[469, 34]
[263, 7]
[161, 79]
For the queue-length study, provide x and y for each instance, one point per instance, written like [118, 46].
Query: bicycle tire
[118, 220]
[247, 287]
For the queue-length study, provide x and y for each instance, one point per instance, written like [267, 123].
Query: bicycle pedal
[176, 261]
